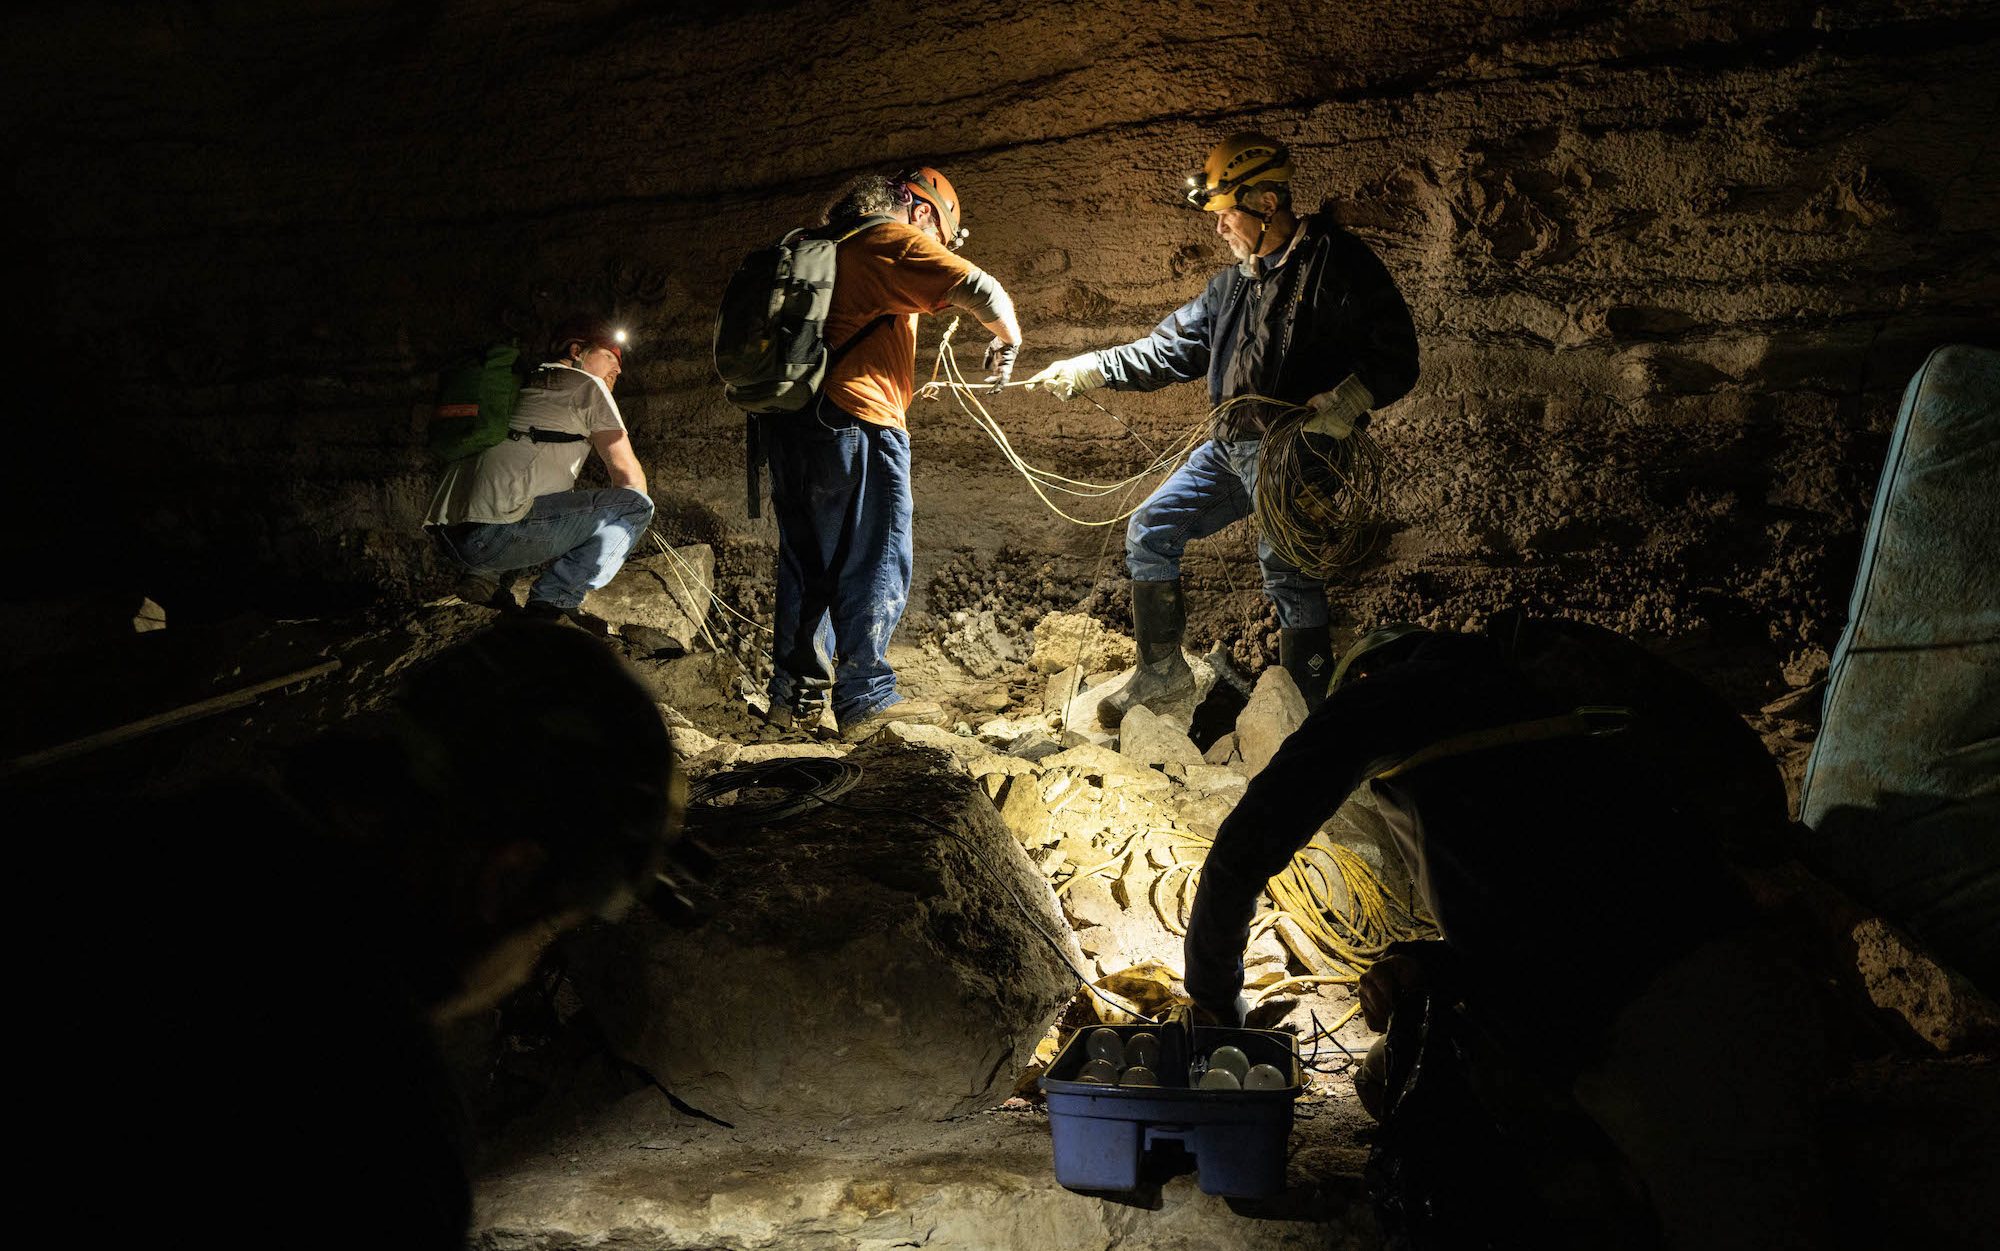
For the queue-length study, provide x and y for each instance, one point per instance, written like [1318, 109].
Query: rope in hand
[1317, 496]
[946, 376]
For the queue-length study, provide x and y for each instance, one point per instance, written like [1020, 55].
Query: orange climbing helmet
[934, 189]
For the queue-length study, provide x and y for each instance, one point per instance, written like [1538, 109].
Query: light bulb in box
[1231, 1058]
[1265, 1077]
[1104, 1044]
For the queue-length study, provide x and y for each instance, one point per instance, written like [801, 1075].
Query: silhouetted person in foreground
[1562, 800]
[278, 966]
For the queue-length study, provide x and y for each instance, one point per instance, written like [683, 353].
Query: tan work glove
[1335, 412]
[1067, 377]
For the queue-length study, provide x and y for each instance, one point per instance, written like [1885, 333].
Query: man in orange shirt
[840, 470]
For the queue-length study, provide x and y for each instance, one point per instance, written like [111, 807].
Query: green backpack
[476, 399]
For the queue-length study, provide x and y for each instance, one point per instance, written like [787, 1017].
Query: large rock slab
[855, 959]
[668, 592]
[1275, 709]
[1944, 1008]
[1150, 739]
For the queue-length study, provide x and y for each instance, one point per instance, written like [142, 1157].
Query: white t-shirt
[502, 482]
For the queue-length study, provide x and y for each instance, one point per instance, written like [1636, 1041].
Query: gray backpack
[770, 347]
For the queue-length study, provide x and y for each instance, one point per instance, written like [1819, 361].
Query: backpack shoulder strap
[854, 340]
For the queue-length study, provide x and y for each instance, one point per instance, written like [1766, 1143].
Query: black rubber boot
[1308, 656]
[1162, 676]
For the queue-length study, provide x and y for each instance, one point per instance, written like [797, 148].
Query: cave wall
[1670, 262]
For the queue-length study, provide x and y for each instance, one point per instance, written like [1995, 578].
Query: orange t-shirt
[890, 268]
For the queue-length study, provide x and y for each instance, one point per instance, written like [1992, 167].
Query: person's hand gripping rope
[999, 361]
[1068, 377]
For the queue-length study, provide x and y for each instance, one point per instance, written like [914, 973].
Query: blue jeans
[840, 489]
[1215, 487]
[588, 534]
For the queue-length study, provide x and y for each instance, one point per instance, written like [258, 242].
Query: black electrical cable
[806, 783]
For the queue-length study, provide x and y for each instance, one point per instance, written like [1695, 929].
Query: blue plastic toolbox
[1238, 1138]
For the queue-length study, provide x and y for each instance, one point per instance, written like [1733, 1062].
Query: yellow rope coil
[1352, 932]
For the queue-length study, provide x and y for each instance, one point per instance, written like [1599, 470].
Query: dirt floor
[586, 1151]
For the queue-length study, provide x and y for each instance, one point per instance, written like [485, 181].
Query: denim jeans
[840, 489]
[588, 534]
[1215, 487]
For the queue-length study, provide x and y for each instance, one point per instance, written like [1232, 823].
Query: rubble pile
[984, 607]
[748, 597]
[1117, 822]
[1022, 587]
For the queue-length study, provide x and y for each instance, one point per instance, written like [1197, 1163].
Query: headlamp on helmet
[1233, 166]
[934, 189]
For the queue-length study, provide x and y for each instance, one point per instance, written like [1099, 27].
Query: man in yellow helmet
[1306, 310]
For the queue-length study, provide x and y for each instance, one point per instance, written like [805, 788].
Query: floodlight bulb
[1230, 1058]
[1265, 1077]
[619, 335]
[1104, 1044]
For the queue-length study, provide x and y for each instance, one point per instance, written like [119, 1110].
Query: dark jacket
[1586, 863]
[1344, 313]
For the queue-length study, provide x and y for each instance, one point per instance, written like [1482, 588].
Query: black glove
[999, 361]
[1218, 930]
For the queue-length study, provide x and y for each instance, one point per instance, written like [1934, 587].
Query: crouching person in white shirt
[515, 506]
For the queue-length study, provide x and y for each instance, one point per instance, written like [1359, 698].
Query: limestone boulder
[692, 682]
[855, 959]
[1147, 738]
[1940, 1005]
[1211, 779]
[1275, 709]
[962, 747]
[668, 592]
[1065, 639]
[1060, 688]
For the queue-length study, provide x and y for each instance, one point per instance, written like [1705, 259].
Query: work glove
[1337, 412]
[1067, 377]
[999, 361]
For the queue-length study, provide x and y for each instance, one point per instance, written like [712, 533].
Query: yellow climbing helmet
[1246, 159]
